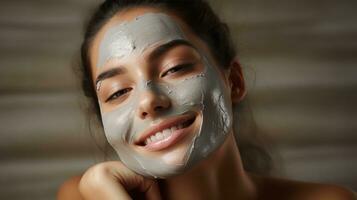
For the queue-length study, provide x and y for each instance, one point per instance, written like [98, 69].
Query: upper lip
[162, 126]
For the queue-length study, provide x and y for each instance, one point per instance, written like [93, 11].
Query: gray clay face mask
[204, 94]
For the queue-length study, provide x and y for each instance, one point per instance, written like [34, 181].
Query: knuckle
[95, 176]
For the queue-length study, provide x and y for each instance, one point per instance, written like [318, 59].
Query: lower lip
[169, 141]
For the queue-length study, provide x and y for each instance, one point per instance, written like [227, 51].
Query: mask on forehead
[204, 93]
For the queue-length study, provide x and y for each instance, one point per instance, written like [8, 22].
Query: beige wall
[299, 57]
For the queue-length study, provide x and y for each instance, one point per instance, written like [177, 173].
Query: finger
[99, 183]
[133, 181]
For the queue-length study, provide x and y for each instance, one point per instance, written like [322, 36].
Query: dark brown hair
[199, 17]
[197, 14]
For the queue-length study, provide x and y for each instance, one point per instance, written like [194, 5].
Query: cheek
[189, 92]
[118, 122]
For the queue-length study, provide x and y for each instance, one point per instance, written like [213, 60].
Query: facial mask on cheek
[202, 93]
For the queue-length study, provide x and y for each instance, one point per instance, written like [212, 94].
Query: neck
[220, 176]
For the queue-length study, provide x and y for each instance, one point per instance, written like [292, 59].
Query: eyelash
[177, 68]
[118, 94]
[174, 69]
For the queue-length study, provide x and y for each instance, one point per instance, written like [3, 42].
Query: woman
[164, 78]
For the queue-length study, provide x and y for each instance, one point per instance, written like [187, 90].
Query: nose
[152, 103]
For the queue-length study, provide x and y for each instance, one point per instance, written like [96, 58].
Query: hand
[113, 180]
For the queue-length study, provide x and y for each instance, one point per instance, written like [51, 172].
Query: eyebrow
[110, 73]
[157, 52]
[160, 50]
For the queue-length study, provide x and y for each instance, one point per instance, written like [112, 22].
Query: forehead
[131, 14]
[136, 35]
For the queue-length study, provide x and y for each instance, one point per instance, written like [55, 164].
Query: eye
[118, 94]
[177, 69]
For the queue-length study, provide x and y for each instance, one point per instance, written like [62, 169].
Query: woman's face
[165, 103]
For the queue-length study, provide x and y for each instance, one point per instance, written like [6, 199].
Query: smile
[166, 133]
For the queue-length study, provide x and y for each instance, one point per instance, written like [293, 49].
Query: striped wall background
[299, 58]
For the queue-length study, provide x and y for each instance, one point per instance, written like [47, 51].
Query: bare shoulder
[331, 192]
[69, 189]
[275, 188]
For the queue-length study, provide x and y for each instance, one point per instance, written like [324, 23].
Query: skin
[184, 83]
[220, 176]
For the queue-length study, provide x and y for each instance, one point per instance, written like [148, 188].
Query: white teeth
[153, 138]
[159, 136]
[163, 135]
[167, 131]
[166, 134]
[147, 141]
[174, 128]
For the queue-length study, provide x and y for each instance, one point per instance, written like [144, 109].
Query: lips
[165, 133]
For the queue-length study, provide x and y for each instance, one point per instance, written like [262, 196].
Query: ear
[238, 90]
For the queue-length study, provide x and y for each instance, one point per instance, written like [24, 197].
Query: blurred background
[299, 58]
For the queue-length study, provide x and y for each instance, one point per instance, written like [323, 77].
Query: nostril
[143, 114]
[151, 104]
